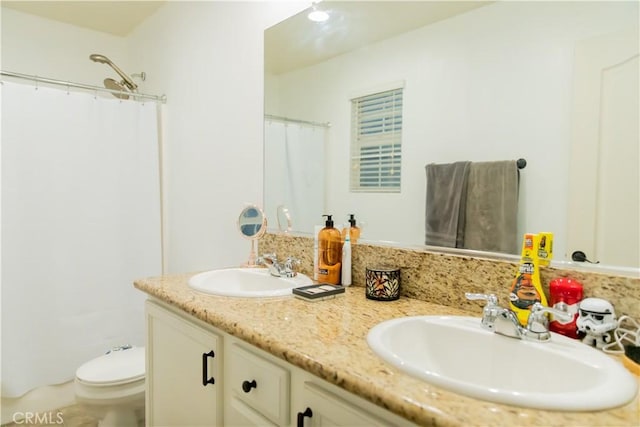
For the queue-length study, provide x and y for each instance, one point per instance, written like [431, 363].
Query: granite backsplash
[444, 278]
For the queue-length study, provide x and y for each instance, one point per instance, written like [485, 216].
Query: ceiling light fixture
[317, 15]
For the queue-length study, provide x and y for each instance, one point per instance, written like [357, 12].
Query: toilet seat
[115, 368]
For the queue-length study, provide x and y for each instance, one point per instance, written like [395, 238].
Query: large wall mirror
[554, 83]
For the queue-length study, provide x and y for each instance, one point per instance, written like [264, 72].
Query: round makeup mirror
[284, 219]
[252, 224]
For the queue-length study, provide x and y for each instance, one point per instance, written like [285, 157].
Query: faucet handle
[538, 322]
[289, 266]
[266, 259]
[538, 310]
[490, 311]
[291, 261]
[491, 299]
[270, 256]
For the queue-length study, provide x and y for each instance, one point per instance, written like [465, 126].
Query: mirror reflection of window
[376, 142]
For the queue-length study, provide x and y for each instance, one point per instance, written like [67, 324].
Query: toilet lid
[116, 367]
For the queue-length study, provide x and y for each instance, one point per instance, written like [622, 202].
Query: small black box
[318, 292]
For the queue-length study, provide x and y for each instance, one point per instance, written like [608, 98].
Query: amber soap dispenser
[353, 229]
[329, 253]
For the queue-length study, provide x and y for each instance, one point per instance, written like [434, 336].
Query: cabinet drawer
[259, 383]
[327, 409]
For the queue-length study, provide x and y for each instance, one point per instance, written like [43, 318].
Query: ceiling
[298, 42]
[294, 43]
[118, 18]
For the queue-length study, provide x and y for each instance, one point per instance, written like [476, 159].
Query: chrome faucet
[505, 322]
[286, 269]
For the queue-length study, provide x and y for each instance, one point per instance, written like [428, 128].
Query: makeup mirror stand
[252, 224]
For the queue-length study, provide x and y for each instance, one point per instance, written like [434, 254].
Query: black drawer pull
[247, 386]
[307, 413]
[205, 375]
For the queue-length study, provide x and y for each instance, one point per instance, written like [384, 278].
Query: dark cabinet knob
[247, 386]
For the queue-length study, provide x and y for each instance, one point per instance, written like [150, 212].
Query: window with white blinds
[376, 142]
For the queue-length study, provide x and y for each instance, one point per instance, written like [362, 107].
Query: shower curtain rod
[161, 98]
[304, 122]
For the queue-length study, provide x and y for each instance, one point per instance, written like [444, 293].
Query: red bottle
[565, 294]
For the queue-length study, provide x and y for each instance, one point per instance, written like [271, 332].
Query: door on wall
[604, 186]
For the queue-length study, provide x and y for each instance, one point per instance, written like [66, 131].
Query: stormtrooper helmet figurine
[595, 319]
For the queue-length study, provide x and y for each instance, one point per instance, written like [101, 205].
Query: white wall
[491, 84]
[38, 46]
[208, 59]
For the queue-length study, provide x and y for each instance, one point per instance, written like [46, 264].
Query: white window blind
[376, 142]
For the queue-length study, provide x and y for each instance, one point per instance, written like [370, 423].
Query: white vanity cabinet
[254, 389]
[184, 367]
[302, 399]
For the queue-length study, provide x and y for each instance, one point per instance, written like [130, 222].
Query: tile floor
[70, 416]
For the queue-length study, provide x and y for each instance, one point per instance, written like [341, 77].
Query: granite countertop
[328, 339]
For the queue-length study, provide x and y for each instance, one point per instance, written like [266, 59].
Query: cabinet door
[183, 371]
[321, 408]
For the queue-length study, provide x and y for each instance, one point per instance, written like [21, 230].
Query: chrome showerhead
[110, 83]
[126, 80]
[100, 58]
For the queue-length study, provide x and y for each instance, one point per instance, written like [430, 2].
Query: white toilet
[111, 387]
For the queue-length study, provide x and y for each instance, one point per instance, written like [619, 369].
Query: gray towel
[492, 207]
[445, 205]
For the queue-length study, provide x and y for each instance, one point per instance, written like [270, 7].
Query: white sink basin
[455, 353]
[246, 282]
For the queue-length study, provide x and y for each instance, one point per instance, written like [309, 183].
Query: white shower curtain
[80, 221]
[294, 172]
